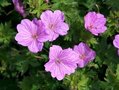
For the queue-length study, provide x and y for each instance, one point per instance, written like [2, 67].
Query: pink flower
[19, 7]
[54, 24]
[95, 23]
[116, 42]
[85, 54]
[61, 62]
[29, 34]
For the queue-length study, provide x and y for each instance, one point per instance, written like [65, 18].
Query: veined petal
[53, 36]
[54, 69]
[43, 37]
[54, 52]
[46, 17]
[58, 16]
[68, 55]
[29, 25]
[80, 48]
[116, 41]
[68, 67]
[23, 39]
[62, 28]
[22, 29]
[91, 56]
[35, 46]
[81, 63]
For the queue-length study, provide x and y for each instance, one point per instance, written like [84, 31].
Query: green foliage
[37, 6]
[113, 4]
[22, 70]
[4, 3]
[6, 34]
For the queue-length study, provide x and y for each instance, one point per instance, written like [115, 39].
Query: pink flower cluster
[61, 62]
[34, 33]
[64, 62]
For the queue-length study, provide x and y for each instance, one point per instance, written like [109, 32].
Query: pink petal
[100, 15]
[23, 39]
[35, 46]
[43, 37]
[29, 25]
[91, 56]
[68, 55]
[116, 41]
[58, 73]
[68, 68]
[49, 65]
[81, 63]
[89, 19]
[58, 16]
[55, 70]
[22, 29]
[62, 28]
[46, 17]
[54, 51]
[80, 48]
[53, 36]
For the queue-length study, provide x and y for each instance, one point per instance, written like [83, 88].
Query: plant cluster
[59, 45]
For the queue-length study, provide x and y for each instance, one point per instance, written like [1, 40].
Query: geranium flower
[54, 24]
[19, 7]
[95, 23]
[85, 54]
[116, 42]
[29, 34]
[62, 62]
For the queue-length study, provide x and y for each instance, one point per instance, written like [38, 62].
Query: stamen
[35, 36]
[82, 56]
[57, 61]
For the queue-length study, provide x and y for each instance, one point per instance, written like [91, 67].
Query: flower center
[35, 36]
[51, 26]
[90, 26]
[83, 56]
[57, 61]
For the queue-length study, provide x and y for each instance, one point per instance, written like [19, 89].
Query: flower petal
[23, 39]
[35, 46]
[46, 17]
[53, 36]
[116, 41]
[54, 51]
[62, 28]
[58, 16]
